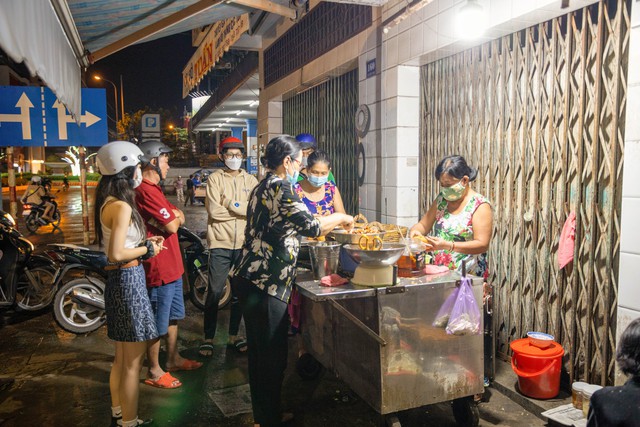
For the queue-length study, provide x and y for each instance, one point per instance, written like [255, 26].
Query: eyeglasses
[231, 156]
[299, 162]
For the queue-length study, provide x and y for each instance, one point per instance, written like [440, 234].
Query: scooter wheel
[32, 224]
[308, 367]
[77, 317]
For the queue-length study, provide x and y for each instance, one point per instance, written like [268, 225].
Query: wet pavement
[61, 379]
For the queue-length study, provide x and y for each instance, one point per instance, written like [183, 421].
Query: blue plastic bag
[465, 314]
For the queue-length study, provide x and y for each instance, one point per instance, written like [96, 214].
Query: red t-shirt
[156, 211]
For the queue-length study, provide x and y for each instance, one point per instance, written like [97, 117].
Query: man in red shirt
[163, 272]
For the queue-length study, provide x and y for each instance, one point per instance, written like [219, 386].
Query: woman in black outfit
[266, 271]
[620, 406]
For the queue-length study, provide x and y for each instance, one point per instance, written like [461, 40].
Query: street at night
[53, 368]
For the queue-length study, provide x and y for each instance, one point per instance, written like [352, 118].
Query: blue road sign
[33, 117]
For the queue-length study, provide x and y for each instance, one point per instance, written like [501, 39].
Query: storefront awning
[57, 38]
[30, 32]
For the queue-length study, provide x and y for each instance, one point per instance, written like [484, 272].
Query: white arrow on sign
[23, 117]
[64, 119]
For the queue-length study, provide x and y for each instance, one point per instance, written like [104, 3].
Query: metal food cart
[382, 343]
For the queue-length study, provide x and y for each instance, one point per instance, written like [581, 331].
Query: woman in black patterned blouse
[266, 272]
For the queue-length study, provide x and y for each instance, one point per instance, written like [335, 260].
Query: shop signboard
[32, 116]
[220, 38]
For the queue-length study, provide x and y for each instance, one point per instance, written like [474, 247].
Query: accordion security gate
[328, 112]
[541, 113]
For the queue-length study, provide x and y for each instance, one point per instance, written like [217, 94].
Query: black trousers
[220, 262]
[266, 321]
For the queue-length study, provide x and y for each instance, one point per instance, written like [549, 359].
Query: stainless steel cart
[382, 344]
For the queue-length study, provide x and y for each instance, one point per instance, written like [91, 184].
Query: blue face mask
[293, 179]
[317, 181]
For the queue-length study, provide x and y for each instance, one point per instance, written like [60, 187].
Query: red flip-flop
[188, 365]
[165, 381]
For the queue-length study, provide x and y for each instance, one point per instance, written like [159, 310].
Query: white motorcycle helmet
[36, 179]
[118, 155]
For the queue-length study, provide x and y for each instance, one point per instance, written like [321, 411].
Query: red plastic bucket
[538, 369]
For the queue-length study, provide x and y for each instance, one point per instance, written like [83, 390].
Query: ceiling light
[252, 103]
[471, 20]
[227, 120]
[403, 13]
[239, 112]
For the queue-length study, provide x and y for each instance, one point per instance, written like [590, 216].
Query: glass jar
[587, 392]
[412, 261]
[576, 394]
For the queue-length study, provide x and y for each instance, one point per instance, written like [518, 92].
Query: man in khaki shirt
[226, 200]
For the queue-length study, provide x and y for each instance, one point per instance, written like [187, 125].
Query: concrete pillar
[252, 146]
[237, 132]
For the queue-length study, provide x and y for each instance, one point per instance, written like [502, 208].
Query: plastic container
[587, 392]
[324, 258]
[538, 369]
[540, 339]
[576, 393]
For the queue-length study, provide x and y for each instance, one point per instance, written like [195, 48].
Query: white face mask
[137, 178]
[233, 163]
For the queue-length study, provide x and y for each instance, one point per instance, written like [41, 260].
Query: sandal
[187, 365]
[206, 349]
[239, 345]
[165, 381]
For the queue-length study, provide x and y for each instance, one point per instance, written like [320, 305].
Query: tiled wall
[629, 278]
[390, 189]
[390, 192]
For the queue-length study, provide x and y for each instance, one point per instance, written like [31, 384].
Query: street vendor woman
[460, 218]
[267, 270]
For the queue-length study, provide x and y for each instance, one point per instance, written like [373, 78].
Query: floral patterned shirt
[275, 216]
[322, 207]
[459, 228]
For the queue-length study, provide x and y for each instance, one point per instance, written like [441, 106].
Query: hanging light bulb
[471, 20]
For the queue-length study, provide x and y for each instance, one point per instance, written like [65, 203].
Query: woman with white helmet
[130, 319]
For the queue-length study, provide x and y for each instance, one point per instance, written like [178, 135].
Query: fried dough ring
[368, 243]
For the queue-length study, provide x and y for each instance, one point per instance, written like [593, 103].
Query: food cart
[382, 343]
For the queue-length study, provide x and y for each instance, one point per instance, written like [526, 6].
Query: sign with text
[371, 68]
[33, 117]
[221, 37]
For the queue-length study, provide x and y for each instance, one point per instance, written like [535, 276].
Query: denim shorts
[167, 303]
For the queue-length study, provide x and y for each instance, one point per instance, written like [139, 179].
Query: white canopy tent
[56, 39]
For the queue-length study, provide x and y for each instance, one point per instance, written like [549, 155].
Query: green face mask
[453, 193]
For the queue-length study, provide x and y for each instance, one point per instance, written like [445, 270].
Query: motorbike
[78, 305]
[32, 215]
[26, 280]
[195, 257]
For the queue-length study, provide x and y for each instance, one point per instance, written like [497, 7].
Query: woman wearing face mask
[228, 191]
[267, 270]
[316, 191]
[460, 218]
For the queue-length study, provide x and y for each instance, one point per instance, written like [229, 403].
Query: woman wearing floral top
[321, 196]
[461, 219]
[266, 271]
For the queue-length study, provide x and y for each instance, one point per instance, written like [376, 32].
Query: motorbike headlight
[10, 219]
